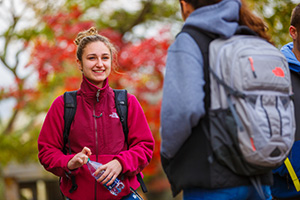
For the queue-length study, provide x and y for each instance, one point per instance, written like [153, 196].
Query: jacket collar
[91, 91]
[294, 64]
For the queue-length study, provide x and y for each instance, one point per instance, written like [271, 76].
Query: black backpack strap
[122, 110]
[70, 105]
[142, 183]
[203, 39]
[245, 30]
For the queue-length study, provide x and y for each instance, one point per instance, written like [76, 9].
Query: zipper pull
[252, 66]
[97, 116]
[97, 95]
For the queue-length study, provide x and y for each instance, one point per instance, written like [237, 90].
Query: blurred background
[37, 63]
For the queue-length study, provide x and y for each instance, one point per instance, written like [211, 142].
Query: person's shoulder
[58, 101]
[57, 106]
[131, 97]
[183, 41]
[287, 47]
[132, 100]
[186, 45]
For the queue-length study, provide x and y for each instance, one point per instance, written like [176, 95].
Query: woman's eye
[91, 58]
[105, 58]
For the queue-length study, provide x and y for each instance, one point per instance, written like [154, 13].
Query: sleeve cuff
[69, 172]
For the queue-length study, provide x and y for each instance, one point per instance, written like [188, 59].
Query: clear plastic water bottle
[115, 188]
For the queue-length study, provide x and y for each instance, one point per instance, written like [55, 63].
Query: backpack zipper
[280, 116]
[278, 58]
[252, 66]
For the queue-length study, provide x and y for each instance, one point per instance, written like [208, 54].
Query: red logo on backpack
[278, 72]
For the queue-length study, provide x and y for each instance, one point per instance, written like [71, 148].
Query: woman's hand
[79, 159]
[111, 169]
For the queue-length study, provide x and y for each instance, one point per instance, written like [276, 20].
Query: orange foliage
[48, 56]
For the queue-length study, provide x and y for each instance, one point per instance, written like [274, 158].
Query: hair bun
[83, 34]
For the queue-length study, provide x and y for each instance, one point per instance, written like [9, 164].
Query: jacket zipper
[96, 127]
[97, 95]
[96, 135]
[96, 141]
[95, 120]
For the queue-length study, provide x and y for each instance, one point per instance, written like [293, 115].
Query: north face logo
[278, 72]
[114, 115]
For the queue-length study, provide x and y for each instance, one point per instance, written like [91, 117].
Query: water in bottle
[115, 188]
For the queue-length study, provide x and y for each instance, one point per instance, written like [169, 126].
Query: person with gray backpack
[227, 115]
[286, 182]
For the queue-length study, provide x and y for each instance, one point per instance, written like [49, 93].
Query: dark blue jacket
[283, 185]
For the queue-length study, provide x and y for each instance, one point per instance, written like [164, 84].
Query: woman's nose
[100, 63]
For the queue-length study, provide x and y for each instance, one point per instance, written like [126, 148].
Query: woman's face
[96, 63]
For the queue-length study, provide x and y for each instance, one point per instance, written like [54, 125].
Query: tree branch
[8, 37]
[11, 121]
[18, 58]
[141, 17]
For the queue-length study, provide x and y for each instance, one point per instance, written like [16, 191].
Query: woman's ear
[79, 65]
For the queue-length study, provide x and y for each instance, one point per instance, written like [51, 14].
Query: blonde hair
[91, 35]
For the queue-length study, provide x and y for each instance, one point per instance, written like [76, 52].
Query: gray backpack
[250, 80]
[250, 112]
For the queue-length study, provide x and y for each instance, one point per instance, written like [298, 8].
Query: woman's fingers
[111, 180]
[109, 175]
[86, 151]
[79, 159]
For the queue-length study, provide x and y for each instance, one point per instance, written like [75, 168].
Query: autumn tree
[15, 45]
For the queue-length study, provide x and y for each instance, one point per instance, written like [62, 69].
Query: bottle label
[112, 185]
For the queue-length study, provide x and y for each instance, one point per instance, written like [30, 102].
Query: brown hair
[200, 3]
[88, 36]
[253, 22]
[295, 18]
[247, 18]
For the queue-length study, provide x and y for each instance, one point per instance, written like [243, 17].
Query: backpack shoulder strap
[203, 39]
[70, 105]
[122, 109]
[245, 30]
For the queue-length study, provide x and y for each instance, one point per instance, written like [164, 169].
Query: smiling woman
[96, 132]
